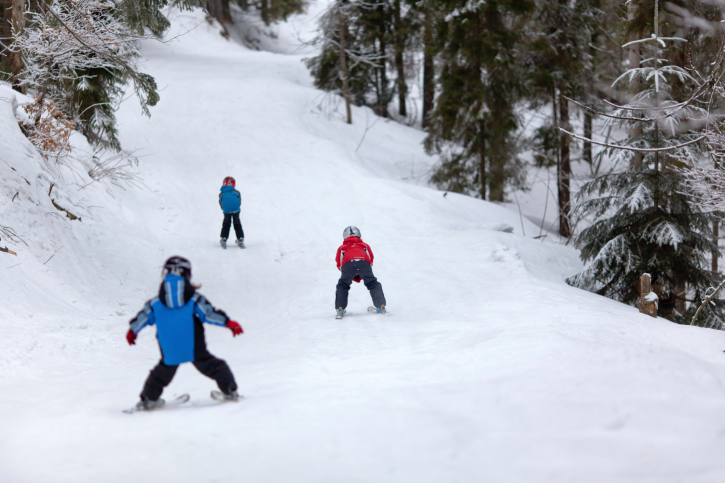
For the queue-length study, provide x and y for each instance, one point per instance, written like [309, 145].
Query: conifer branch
[619, 118]
[627, 148]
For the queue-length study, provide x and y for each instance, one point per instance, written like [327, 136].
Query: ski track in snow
[488, 368]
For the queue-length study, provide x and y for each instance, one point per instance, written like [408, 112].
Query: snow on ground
[488, 368]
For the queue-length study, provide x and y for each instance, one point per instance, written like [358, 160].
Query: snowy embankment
[489, 367]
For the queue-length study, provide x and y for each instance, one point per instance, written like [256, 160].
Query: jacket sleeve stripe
[206, 313]
[144, 318]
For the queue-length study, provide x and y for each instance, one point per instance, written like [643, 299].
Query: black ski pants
[226, 225]
[161, 376]
[351, 270]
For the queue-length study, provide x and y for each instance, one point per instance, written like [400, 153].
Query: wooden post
[647, 302]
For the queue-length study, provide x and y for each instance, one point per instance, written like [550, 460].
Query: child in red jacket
[355, 260]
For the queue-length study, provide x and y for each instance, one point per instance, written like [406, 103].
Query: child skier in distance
[231, 203]
[178, 312]
[355, 261]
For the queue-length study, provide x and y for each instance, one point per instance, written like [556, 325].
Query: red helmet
[229, 181]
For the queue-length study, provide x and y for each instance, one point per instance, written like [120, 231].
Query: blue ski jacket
[230, 200]
[178, 313]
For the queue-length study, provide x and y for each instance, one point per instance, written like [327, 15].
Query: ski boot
[340, 313]
[381, 310]
[222, 396]
[223, 242]
[146, 404]
[240, 242]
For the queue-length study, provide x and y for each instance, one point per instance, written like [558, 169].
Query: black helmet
[351, 231]
[177, 266]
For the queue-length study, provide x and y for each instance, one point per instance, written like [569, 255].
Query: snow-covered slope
[488, 368]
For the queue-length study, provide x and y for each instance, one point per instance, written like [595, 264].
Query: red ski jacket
[353, 248]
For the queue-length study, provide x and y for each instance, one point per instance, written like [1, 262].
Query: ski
[177, 401]
[219, 396]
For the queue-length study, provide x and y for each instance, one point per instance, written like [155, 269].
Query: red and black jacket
[353, 248]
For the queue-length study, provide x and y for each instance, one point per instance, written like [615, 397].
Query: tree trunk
[497, 156]
[225, 15]
[428, 70]
[587, 150]
[213, 7]
[564, 171]
[219, 9]
[383, 100]
[343, 64]
[264, 11]
[680, 300]
[399, 64]
[5, 34]
[634, 63]
[482, 156]
[16, 61]
[716, 241]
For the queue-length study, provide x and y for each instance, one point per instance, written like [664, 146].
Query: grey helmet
[351, 231]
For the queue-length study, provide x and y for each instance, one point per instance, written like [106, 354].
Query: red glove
[131, 337]
[235, 328]
[357, 279]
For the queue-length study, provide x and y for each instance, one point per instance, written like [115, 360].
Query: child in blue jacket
[178, 313]
[231, 203]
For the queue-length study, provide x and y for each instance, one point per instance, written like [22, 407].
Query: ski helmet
[351, 231]
[229, 181]
[179, 266]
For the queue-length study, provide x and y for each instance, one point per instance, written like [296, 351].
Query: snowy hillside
[488, 367]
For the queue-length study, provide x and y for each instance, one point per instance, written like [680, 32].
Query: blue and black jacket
[230, 200]
[178, 313]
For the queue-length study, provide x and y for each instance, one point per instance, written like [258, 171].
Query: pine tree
[643, 220]
[481, 80]
[559, 57]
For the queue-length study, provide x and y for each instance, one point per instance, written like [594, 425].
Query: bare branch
[706, 301]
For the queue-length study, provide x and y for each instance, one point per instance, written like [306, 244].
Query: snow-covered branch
[68, 39]
[630, 148]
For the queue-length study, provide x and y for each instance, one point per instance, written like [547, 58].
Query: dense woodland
[468, 73]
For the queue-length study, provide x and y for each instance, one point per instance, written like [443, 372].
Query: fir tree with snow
[643, 221]
[80, 54]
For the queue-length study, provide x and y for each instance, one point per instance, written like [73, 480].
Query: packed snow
[487, 368]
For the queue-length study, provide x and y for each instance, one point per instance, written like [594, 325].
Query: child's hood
[227, 189]
[175, 291]
[352, 240]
